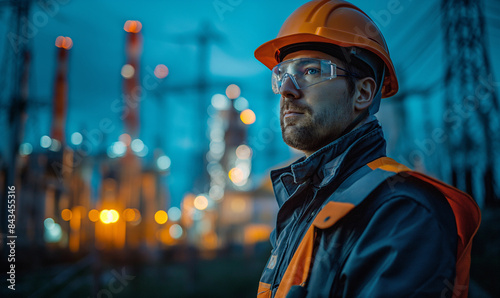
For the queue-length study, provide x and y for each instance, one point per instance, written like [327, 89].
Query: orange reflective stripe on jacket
[298, 269]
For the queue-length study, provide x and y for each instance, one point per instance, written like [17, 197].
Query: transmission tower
[472, 109]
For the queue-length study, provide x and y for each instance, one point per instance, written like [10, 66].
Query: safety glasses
[305, 72]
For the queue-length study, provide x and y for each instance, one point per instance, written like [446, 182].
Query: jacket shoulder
[403, 186]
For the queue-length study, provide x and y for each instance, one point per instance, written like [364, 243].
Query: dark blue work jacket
[401, 241]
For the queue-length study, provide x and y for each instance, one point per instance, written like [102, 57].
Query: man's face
[313, 117]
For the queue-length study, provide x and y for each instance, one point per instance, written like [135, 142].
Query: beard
[311, 131]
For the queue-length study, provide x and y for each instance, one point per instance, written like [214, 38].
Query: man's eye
[311, 71]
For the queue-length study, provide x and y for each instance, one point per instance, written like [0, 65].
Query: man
[352, 222]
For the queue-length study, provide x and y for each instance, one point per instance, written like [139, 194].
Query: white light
[240, 104]
[220, 102]
[127, 71]
[214, 168]
[175, 231]
[217, 134]
[53, 234]
[25, 149]
[119, 148]
[201, 202]
[163, 162]
[45, 141]
[55, 146]
[76, 138]
[143, 152]
[111, 152]
[217, 147]
[174, 213]
[243, 152]
[137, 145]
[216, 192]
[48, 223]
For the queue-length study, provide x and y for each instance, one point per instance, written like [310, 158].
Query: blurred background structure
[140, 136]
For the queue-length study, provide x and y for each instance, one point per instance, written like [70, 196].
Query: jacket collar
[350, 151]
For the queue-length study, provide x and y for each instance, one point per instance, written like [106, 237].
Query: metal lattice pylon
[472, 109]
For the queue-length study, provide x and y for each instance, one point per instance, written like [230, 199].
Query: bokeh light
[237, 176]
[25, 149]
[143, 152]
[125, 139]
[233, 91]
[109, 216]
[201, 202]
[94, 215]
[132, 26]
[163, 162]
[64, 42]
[216, 192]
[137, 145]
[220, 102]
[76, 138]
[128, 214]
[55, 145]
[66, 214]
[127, 71]
[45, 141]
[161, 217]
[161, 71]
[174, 213]
[240, 104]
[53, 231]
[175, 231]
[48, 223]
[119, 148]
[247, 116]
[243, 152]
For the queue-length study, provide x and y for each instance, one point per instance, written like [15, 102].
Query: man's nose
[288, 88]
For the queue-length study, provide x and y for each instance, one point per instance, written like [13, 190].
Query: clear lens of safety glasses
[303, 72]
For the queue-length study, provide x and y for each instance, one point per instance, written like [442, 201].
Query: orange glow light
[109, 216]
[128, 214]
[64, 42]
[161, 71]
[233, 91]
[66, 214]
[201, 203]
[236, 175]
[132, 26]
[94, 215]
[247, 116]
[161, 217]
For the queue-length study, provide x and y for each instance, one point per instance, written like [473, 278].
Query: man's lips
[291, 113]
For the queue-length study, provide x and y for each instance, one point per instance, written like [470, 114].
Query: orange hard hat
[332, 22]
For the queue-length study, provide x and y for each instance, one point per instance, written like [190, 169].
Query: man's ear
[365, 91]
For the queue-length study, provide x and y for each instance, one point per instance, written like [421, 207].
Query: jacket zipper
[288, 243]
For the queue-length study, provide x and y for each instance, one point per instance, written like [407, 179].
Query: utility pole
[203, 38]
[472, 108]
[19, 53]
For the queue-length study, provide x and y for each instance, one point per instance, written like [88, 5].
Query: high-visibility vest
[344, 200]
